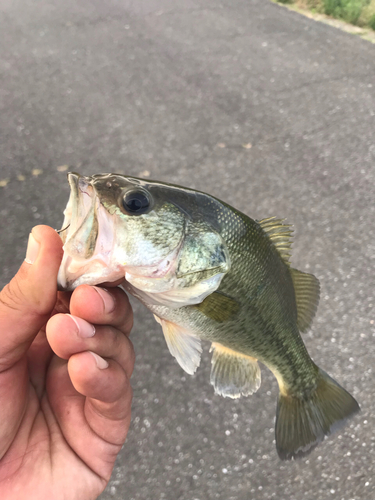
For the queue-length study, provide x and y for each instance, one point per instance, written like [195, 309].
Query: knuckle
[123, 351]
[122, 317]
[128, 322]
[12, 296]
[18, 296]
[129, 359]
[132, 352]
[123, 344]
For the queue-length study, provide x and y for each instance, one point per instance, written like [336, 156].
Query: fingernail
[109, 301]
[101, 363]
[85, 329]
[32, 249]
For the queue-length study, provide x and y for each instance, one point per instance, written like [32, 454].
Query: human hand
[65, 395]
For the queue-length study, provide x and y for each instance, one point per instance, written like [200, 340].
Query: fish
[209, 273]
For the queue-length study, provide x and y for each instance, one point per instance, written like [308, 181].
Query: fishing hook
[58, 231]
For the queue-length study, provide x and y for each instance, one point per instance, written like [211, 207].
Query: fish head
[150, 234]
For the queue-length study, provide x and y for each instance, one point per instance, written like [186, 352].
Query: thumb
[28, 300]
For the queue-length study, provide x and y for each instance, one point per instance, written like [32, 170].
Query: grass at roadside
[357, 12]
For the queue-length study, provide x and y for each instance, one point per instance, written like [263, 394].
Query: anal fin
[233, 374]
[183, 345]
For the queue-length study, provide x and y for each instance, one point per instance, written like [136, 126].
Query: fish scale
[209, 272]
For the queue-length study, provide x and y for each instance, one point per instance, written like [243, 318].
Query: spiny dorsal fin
[218, 307]
[280, 234]
[182, 344]
[307, 292]
[233, 374]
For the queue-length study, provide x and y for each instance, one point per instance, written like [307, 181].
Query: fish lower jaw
[73, 273]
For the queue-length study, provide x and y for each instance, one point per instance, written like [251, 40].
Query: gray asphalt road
[175, 89]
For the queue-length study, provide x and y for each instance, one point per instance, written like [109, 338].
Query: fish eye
[136, 201]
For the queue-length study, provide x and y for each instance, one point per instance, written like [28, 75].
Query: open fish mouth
[92, 238]
[88, 236]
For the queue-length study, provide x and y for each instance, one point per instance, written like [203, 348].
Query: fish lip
[79, 182]
[73, 178]
[83, 201]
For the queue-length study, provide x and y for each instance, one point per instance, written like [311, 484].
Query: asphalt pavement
[268, 110]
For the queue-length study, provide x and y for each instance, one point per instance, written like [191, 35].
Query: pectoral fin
[183, 345]
[218, 307]
[233, 374]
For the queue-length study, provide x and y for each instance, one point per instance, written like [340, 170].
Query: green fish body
[209, 272]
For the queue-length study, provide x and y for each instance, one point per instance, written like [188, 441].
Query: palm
[41, 447]
[58, 434]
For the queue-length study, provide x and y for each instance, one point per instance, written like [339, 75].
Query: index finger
[100, 306]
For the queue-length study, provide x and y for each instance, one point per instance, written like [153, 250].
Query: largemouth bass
[208, 272]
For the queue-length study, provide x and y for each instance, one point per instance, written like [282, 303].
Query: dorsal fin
[280, 234]
[307, 292]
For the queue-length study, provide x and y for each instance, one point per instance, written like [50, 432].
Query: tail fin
[301, 424]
